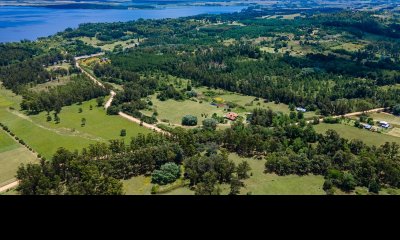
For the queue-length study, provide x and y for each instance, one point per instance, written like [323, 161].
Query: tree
[208, 186]
[315, 120]
[123, 133]
[374, 186]
[100, 101]
[168, 173]
[235, 186]
[396, 110]
[189, 120]
[242, 170]
[83, 122]
[292, 115]
[35, 181]
[348, 183]
[90, 107]
[80, 110]
[57, 119]
[48, 118]
[291, 107]
[113, 110]
[300, 115]
[210, 124]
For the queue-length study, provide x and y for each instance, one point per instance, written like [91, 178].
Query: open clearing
[350, 132]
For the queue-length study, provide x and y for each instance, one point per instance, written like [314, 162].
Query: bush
[189, 120]
[168, 173]
[331, 120]
[113, 110]
[210, 124]
[123, 133]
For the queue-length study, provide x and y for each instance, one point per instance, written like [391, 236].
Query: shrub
[189, 120]
[113, 110]
[210, 124]
[123, 133]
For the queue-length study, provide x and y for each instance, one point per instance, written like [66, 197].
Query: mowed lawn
[261, 183]
[12, 155]
[350, 132]
[46, 138]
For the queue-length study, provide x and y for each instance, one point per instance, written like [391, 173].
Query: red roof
[231, 116]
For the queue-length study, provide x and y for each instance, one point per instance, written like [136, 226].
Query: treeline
[79, 89]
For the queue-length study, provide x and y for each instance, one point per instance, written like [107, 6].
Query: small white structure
[384, 124]
[300, 109]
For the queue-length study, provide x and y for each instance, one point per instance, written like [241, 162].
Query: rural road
[112, 93]
[8, 186]
[350, 114]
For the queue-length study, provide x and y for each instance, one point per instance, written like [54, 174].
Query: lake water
[18, 23]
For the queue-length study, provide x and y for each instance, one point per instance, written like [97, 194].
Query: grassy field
[6, 142]
[98, 127]
[261, 183]
[46, 137]
[12, 154]
[139, 185]
[350, 132]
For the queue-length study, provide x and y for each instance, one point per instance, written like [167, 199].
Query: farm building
[231, 116]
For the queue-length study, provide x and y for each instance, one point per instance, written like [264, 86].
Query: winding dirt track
[112, 95]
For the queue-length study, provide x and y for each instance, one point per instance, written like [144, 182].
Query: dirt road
[146, 125]
[8, 186]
